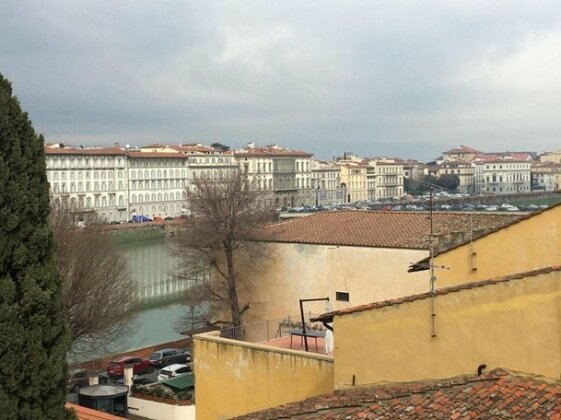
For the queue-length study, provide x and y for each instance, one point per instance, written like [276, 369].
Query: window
[342, 296]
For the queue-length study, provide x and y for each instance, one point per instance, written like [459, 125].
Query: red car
[117, 367]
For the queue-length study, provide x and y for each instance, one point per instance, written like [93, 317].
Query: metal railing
[267, 330]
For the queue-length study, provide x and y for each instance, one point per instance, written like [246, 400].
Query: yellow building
[352, 257]
[465, 171]
[486, 315]
[529, 243]
[511, 322]
[235, 377]
[353, 177]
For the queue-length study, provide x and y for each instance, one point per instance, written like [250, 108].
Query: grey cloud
[315, 74]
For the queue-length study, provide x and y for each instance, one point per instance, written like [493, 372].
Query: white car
[172, 371]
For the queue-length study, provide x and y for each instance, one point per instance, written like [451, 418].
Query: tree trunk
[232, 289]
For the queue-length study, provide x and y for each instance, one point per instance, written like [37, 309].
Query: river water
[159, 293]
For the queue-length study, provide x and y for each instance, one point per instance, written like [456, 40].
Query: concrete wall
[160, 411]
[530, 244]
[290, 272]
[234, 378]
[515, 325]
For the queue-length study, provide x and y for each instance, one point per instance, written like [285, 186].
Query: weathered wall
[531, 244]
[290, 272]
[234, 377]
[515, 325]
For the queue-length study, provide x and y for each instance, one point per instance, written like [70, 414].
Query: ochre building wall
[290, 272]
[515, 325]
[234, 377]
[528, 245]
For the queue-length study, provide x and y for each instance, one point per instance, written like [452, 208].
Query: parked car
[117, 367]
[167, 357]
[77, 378]
[139, 218]
[172, 371]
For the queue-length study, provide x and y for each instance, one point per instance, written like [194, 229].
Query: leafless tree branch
[98, 289]
[224, 216]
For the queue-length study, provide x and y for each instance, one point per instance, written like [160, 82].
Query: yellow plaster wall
[302, 271]
[235, 378]
[528, 245]
[514, 325]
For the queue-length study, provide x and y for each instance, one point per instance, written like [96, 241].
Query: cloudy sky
[374, 77]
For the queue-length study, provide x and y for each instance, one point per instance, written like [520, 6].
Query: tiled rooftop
[270, 151]
[424, 263]
[379, 229]
[438, 292]
[84, 413]
[462, 149]
[50, 150]
[494, 395]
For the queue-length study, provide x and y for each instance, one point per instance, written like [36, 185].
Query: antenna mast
[432, 275]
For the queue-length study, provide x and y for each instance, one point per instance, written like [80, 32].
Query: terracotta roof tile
[462, 149]
[84, 413]
[380, 229]
[497, 394]
[439, 292]
[423, 264]
[271, 151]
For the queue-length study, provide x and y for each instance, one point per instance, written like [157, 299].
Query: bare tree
[98, 289]
[224, 218]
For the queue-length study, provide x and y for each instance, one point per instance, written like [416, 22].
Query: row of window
[158, 174]
[143, 162]
[146, 198]
[99, 201]
[152, 185]
[72, 187]
[83, 161]
[80, 175]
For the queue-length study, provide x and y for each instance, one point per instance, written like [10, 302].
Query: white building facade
[502, 176]
[326, 184]
[284, 175]
[90, 180]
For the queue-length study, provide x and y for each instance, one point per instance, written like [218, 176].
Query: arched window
[147, 197]
[178, 196]
[133, 198]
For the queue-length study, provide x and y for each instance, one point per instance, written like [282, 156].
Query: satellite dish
[127, 146]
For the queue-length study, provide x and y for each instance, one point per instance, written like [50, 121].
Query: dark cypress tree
[33, 334]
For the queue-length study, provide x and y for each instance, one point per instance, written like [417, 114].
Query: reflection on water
[153, 269]
[159, 292]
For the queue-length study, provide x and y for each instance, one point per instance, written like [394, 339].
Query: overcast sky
[403, 77]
